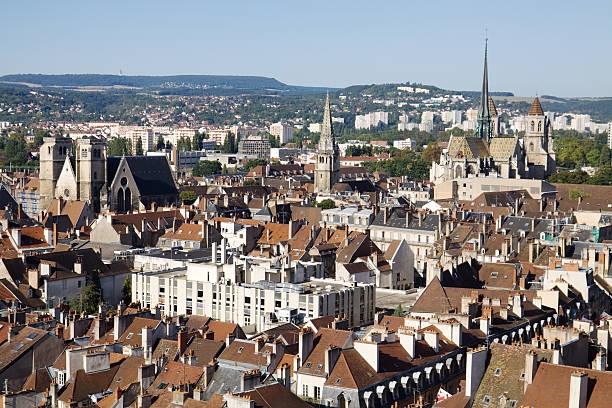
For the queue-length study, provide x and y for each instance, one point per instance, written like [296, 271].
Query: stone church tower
[91, 169]
[541, 158]
[53, 154]
[72, 178]
[327, 168]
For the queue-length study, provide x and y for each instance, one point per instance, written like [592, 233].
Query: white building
[610, 135]
[372, 119]
[314, 128]
[453, 117]
[404, 144]
[282, 131]
[427, 116]
[145, 135]
[218, 135]
[426, 126]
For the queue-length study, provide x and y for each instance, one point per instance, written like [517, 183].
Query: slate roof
[396, 218]
[536, 108]
[152, 174]
[204, 350]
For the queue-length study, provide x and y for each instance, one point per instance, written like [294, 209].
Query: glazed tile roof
[468, 147]
[502, 148]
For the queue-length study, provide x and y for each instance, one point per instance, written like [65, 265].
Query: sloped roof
[468, 147]
[502, 148]
[536, 108]
[152, 174]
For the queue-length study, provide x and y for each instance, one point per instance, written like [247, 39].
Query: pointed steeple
[484, 126]
[536, 108]
[327, 141]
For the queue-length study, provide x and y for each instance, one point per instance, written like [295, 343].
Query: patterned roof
[502, 148]
[468, 147]
[492, 107]
[536, 108]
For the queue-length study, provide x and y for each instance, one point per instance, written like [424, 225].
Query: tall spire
[327, 142]
[484, 128]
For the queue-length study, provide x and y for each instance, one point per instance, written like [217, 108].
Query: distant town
[203, 245]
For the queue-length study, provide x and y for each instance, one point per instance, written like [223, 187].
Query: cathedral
[327, 168]
[118, 184]
[489, 154]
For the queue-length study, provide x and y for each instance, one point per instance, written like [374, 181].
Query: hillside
[166, 83]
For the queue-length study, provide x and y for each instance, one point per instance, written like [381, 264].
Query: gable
[66, 186]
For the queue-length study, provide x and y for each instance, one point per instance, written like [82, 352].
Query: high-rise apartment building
[282, 131]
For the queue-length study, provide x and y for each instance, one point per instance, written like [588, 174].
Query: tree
[139, 149]
[251, 182]
[119, 146]
[188, 195]
[90, 297]
[229, 145]
[206, 168]
[15, 150]
[432, 152]
[160, 143]
[251, 164]
[570, 177]
[196, 142]
[126, 291]
[326, 204]
[602, 177]
[399, 311]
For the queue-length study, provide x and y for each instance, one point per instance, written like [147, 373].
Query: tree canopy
[326, 204]
[206, 168]
[119, 146]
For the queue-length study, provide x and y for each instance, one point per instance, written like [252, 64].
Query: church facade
[489, 154]
[327, 167]
[118, 184]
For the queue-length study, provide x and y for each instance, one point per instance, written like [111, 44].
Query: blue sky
[535, 47]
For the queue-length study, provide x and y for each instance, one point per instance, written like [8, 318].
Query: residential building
[257, 146]
[146, 137]
[404, 144]
[372, 119]
[283, 132]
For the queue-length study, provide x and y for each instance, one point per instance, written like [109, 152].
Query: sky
[536, 47]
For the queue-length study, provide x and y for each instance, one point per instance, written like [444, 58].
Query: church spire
[484, 126]
[327, 141]
[326, 126]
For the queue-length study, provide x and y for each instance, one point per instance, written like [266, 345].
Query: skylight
[18, 347]
[31, 336]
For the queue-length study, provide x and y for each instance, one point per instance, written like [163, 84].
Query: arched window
[531, 147]
[539, 126]
[120, 200]
[128, 200]
[532, 125]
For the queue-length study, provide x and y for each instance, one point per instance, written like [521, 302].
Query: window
[18, 347]
[162, 386]
[129, 336]
[512, 404]
[498, 372]
[31, 336]
[317, 392]
[338, 380]
[240, 349]
[522, 378]
[304, 390]
[308, 365]
[486, 400]
[319, 367]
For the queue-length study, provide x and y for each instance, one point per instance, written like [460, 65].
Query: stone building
[327, 168]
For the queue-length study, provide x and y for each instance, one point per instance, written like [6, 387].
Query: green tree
[602, 177]
[229, 145]
[251, 164]
[399, 311]
[206, 168]
[251, 182]
[90, 297]
[326, 204]
[139, 149]
[569, 177]
[119, 146]
[196, 142]
[432, 152]
[160, 143]
[15, 150]
[126, 290]
[188, 195]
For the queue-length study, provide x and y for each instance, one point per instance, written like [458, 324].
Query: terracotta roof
[38, 381]
[186, 232]
[324, 338]
[175, 372]
[278, 234]
[273, 396]
[133, 334]
[536, 108]
[550, 387]
[204, 350]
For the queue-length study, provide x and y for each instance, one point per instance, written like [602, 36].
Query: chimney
[223, 250]
[290, 229]
[285, 375]
[484, 325]
[305, 344]
[78, 266]
[229, 340]
[385, 215]
[249, 380]
[407, 341]
[16, 234]
[517, 306]
[369, 352]
[331, 356]
[475, 368]
[182, 339]
[19, 211]
[432, 338]
[579, 381]
[53, 393]
[259, 345]
[144, 400]
[420, 219]
[213, 258]
[531, 366]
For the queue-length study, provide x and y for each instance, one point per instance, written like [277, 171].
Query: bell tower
[91, 169]
[538, 142]
[327, 168]
[53, 154]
